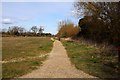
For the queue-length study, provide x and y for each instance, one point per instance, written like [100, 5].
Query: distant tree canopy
[40, 30]
[36, 30]
[20, 31]
[15, 30]
[101, 21]
[67, 29]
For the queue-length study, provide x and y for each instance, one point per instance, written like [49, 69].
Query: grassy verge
[11, 70]
[90, 59]
[23, 47]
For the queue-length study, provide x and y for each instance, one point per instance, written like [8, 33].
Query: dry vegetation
[23, 47]
[67, 29]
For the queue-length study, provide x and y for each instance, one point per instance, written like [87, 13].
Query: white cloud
[7, 21]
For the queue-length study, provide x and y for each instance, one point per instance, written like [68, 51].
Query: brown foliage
[68, 30]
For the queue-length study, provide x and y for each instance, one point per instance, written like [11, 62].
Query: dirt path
[57, 66]
[23, 59]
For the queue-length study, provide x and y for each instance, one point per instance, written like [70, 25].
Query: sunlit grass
[16, 47]
[90, 60]
[11, 70]
[23, 47]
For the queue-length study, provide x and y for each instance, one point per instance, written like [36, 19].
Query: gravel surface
[57, 65]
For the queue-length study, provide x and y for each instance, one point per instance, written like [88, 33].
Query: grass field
[89, 59]
[23, 47]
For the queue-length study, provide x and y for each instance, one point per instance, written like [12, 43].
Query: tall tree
[34, 29]
[105, 20]
[41, 30]
[21, 30]
[14, 30]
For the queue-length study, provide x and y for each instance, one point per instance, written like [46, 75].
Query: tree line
[100, 23]
[20, 31]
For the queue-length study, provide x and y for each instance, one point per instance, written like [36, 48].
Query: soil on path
[57, 65]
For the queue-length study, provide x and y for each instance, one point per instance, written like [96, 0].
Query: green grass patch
[89, 59]
[17, 69]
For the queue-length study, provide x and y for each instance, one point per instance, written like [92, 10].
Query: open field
[15, 47]
[89, 59]
[23, 47]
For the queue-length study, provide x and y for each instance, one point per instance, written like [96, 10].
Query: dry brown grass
[23, 47]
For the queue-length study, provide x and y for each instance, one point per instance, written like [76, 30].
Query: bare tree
[21, 30]
[41, 29]
[34, 29]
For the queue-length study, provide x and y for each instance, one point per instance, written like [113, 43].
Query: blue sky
[28, 14]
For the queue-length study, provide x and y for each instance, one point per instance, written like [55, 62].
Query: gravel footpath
[57, 65]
